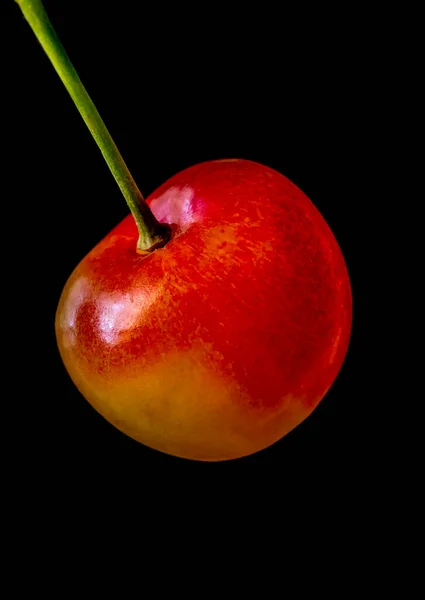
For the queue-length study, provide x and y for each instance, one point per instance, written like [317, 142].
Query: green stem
[152, 234]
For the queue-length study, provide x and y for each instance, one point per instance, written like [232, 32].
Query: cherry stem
[152, 234]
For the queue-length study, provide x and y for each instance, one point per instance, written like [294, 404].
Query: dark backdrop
[177, 86]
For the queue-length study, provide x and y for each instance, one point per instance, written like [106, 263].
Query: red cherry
[222, 341]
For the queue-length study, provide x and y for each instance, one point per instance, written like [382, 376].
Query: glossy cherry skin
[220, 343]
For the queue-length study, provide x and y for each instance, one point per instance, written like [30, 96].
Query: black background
[177, 86]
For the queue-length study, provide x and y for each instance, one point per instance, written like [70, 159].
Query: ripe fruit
[219, 343]
[211, 321]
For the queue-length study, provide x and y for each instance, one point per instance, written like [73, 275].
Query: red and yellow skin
[220, 343]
